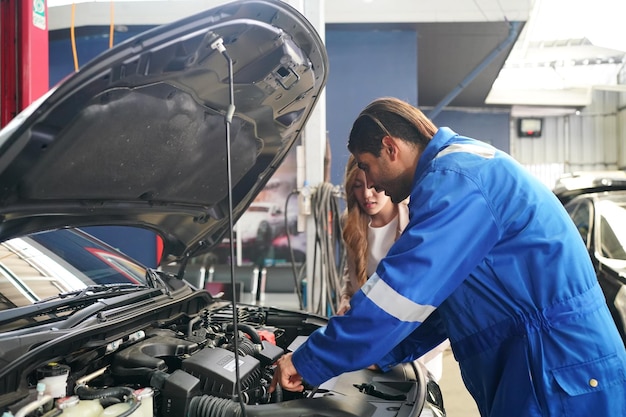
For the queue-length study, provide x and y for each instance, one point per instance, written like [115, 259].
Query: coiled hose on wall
[329, 247]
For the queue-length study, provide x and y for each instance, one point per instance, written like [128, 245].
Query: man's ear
[390, 147]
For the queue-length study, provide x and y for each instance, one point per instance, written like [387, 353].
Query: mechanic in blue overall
[490, 253]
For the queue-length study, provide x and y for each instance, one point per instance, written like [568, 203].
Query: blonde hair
[355, 225]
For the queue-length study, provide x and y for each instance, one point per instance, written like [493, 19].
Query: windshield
[46, 264]
[612, 214]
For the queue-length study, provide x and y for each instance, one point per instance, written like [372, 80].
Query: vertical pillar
[8, 61]
[315, 150]
[314, 143]
[33, 43]
[23, 55]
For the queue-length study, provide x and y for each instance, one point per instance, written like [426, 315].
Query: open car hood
[138, 135]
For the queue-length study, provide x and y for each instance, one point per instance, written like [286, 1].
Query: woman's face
[370, 201]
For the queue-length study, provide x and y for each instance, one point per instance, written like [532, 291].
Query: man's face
[382, 174]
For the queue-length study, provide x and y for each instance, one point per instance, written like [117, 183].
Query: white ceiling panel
[151, 12]
[566, 49]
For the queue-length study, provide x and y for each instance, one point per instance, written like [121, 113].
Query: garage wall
[367, 64]
[621, 119]
[90, 42]
[593, 139]
[491, 126]
[364, 65]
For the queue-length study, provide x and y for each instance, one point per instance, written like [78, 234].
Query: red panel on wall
[33, 43]
[23, 55]
[8, 61]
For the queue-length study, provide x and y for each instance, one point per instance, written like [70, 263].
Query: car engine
[167, 348]
[181, 367]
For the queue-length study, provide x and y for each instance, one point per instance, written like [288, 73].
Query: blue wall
[364, 65]
[368, 64]
[490, 127]
[90, 42]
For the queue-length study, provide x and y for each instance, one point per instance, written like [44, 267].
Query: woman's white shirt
[380, 240]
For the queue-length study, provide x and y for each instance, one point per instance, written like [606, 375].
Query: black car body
[596, 202]
[175, 131]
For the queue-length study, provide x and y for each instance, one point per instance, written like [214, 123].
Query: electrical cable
[73, 37]
[329, 247]
[296, 276]
[73, 32]
[111, 25]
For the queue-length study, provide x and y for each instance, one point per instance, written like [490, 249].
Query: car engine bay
[185, 366]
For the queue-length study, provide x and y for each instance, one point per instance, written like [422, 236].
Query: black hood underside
[139, 135]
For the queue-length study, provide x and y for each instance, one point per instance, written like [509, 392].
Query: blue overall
[491, 260]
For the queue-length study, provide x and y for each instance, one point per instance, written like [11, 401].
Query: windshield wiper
[85, 297]
[66, 302]
[93, 290]
[154, 279]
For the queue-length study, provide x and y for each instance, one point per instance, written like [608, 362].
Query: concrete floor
[456, 400]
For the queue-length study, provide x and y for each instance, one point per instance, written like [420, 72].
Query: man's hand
[286, 375]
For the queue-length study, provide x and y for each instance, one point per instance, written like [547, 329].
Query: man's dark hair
[389, 117]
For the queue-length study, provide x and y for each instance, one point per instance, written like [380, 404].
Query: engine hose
[249, 330]
[33, 406]
[190, 325]
[209, 406]
[278, 392]
[246, 347]
[108, 401]
[105, 396]
[86, 393]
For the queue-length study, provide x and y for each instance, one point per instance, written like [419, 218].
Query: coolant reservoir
[145, 396]
[115, 410]
[54, 376]
[74, 407]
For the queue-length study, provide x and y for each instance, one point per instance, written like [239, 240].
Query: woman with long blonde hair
[372, 222]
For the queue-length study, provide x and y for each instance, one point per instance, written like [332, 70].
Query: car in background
[571, 185]
[175, 131]
[260, 235]
[596, 202]
[262, 223]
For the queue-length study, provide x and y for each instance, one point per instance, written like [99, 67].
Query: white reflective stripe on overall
[394, 303]
[467, 148]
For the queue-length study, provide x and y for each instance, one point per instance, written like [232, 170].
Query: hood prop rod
[218, 44]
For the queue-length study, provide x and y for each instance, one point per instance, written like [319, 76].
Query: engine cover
[215, 368]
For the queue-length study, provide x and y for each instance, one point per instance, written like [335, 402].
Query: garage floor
[456, 400]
